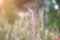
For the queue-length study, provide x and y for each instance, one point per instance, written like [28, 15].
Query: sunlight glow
[21, 14]
[56, 7]
[1, 1]
[54, 1]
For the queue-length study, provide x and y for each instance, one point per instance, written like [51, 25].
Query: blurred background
[29, 19]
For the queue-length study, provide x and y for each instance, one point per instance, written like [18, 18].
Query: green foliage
[11, 18]
[54, 20]
[58, 1]
[10, 14]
